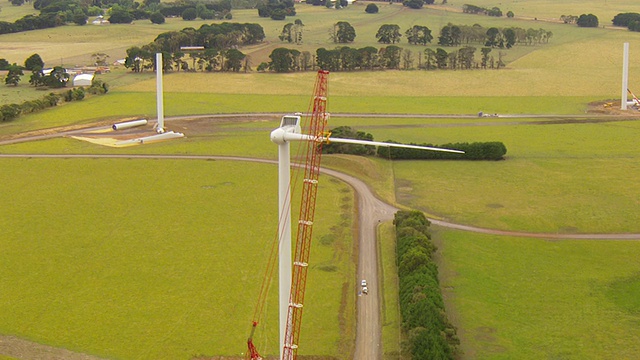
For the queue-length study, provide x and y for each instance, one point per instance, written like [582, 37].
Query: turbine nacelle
[290, 124]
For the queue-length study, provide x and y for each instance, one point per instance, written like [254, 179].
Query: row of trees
[450, 35]
[391, 57]
[494, 11]
[455, 35]
[32, 22]
[491, 151]
[428, 332]
[220, 52]
[10, 112]
[488, 151]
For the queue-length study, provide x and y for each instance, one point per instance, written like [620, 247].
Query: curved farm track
[371, 210]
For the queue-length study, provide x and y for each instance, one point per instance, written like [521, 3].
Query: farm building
[83, 80]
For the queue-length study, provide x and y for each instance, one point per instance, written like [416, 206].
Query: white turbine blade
[378, 143]
[302, 137]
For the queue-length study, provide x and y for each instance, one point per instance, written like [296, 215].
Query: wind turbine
[288, 131]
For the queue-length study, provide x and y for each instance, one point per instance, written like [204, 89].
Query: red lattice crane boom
[316, 128]
[316, 133]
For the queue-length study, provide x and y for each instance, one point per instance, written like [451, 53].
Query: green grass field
[510, 296]
[567, 169]
[160, 288]
[92, 239]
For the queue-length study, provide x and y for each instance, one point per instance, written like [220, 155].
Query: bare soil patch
[25, 349]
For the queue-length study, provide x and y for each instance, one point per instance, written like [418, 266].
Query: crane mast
[317, 137]
[316, 128]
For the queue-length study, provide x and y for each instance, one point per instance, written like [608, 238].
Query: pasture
[474, 191]
[132, 259]
[73, 45]
[510, 296]
[546, 10]
[183, 283]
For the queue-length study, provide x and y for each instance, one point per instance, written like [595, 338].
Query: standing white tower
[625, 77]
[159, 94]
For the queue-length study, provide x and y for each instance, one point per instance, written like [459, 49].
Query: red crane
[315, 129]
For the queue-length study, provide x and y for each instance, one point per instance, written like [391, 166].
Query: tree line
[472, 151]
[450, 35]
[456, 35]
[494, 11]
[391, 57]
[426, 328]
[488, 151]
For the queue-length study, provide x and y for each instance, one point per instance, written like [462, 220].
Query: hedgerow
[493, 150]
[428, 332]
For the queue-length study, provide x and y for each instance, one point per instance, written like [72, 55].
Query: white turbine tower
[159, 94]
[625, 76]
[290, 130]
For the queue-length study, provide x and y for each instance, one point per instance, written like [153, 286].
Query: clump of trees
[429, 333]
[419, 35]
[371, 8]
[389, 34]
[629, 20]
[220, 42]
[414, 4]
[292, 32]
[569, 19]
[473, 9]
[342, 32]
[13, 75]
[276, 9]
[587, 20]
